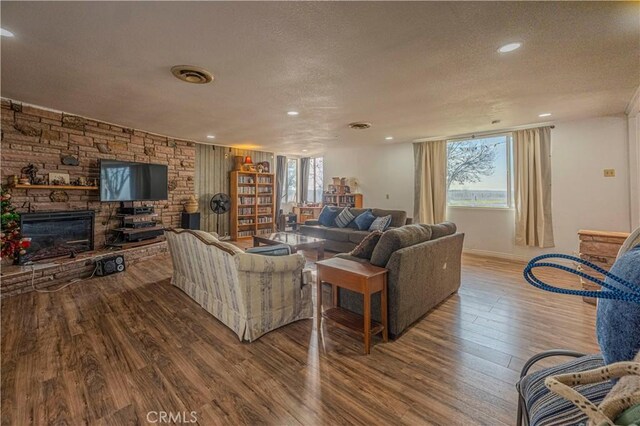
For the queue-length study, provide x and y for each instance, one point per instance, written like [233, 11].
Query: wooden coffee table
[295, 241]
[362, 278]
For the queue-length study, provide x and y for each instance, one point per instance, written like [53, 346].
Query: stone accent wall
[40, 136]
[17, 280]
[601, 248]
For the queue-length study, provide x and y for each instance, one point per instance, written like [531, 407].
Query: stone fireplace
[56, 234]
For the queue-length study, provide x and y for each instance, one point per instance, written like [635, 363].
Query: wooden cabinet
[252, 204]
[306, 213]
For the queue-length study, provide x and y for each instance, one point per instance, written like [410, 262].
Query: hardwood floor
[111, 350]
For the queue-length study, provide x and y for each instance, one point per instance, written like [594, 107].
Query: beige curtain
[430, 198]
[532, 160]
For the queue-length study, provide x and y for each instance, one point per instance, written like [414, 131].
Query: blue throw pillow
[618, 322]
[364, 220]
[380, 223]
[328, 216]
[344, 218]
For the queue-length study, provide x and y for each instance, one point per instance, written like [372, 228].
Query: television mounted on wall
[129, 181]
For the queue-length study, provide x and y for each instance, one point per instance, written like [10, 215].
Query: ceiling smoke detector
[359, 125]
[192, 74]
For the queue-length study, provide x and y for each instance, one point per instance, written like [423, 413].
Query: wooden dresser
[601, 248]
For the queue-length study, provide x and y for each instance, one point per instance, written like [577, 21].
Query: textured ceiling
[413, 69]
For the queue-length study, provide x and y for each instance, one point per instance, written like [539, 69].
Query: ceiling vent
[359, 125]
[192, 74]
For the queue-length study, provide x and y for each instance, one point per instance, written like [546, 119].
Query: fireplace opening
[55, 234]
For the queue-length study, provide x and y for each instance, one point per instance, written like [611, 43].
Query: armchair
[249, 293]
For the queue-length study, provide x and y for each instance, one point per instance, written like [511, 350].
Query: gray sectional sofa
[346, 239]
[424, 263]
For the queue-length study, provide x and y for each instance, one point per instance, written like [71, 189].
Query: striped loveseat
[249, 293]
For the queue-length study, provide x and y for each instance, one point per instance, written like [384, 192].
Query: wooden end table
[295, 241]
[362, 278]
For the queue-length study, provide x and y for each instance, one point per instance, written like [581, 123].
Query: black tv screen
[126, 181]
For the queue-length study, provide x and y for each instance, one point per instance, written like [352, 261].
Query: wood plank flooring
[110, 350]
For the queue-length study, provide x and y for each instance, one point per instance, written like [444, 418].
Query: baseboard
[497, 254]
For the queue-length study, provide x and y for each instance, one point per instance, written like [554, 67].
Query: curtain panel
[430, 196]
[532, 173]
[281, 183]
[305, 164]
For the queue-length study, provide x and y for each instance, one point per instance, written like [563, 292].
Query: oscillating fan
[220, 204]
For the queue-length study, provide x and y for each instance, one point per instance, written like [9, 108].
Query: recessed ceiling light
[293, 113]
[389, 138]
[5, 33]
[545, 114]
[211, 136]
[509, 47]
[305, 150]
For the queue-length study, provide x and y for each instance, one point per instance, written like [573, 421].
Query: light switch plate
[609, 172]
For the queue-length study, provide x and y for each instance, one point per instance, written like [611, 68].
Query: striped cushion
[548, 409]
[344, 218]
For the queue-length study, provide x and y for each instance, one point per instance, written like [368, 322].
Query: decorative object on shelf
[191, 205]
[220, 204]
[238, 162]
[59, 196]
[343, 181]
[24, 181]
[69, 160]
[13, 180]
[57, 178]
[355, 185]
[82, 181]
[30, 171]
[260, 168]
[266, 167]
[336, 181]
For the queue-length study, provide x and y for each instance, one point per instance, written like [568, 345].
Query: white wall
[633, 119]
[381, 170]
[582, 197]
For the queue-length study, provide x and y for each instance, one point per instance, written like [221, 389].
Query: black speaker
[190, 221]
[110, 265]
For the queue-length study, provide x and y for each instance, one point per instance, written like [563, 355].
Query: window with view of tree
[292, 181]
[316, 166]
[479, 172]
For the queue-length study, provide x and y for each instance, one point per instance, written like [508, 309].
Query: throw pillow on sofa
[364, 250]
[328, 216]
[364, 220]
[380, 223]
[344, 218]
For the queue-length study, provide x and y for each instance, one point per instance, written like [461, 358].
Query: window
[479, 172]
[314, 194]
[292, 181]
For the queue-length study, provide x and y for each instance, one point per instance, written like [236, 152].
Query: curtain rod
[485, 133]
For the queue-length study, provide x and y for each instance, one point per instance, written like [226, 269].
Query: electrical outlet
[609, 172]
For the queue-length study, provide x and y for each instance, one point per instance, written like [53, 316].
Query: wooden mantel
[601, 248]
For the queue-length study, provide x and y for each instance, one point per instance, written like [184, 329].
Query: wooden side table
[361, 278]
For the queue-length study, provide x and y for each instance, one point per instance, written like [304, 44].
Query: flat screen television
[128, 181]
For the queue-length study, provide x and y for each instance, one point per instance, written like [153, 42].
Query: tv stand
[138, 226]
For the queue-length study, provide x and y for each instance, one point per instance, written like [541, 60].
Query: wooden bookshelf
[252, 204]
[342, 200]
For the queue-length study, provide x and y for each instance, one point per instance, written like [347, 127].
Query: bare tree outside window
[478, 172]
